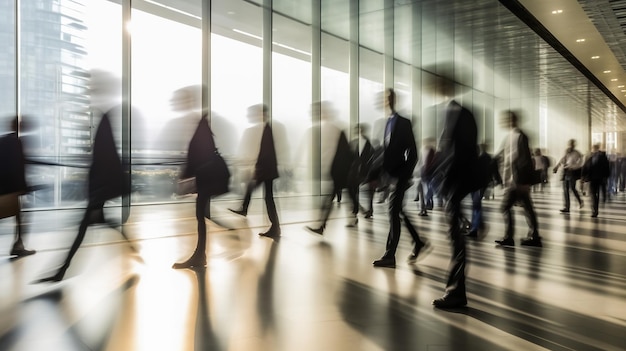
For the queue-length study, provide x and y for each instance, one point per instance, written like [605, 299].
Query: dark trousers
[203, 209]
[327, 202]
[595, 186]
[396, 202]
[477, 208]
[511, 196]
[426, 197]
[455, 286]
[269, 199]
[570, 184]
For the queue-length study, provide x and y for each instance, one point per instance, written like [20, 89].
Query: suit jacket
[400, 155]
[362, 161]
[596, 167]
[266, 167]
[205, 163]
[342, 162]
[106, 175]
[523, 167]
[457, 157]
[12, 164]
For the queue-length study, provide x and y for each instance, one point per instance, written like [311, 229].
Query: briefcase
[9, 205]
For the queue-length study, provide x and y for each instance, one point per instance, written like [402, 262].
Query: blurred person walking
[211, 178]
[572, 163]
[265, 171]
[455, 176]
[518, 175]
[13, 184]
[398, 162]
[107, 179]
[596, 171]
[425, 186]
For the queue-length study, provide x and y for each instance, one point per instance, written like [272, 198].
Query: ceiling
[488, 30]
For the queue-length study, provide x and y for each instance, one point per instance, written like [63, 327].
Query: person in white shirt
[517, 177]
[572, 163]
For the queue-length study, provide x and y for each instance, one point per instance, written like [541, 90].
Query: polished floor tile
[311, 292]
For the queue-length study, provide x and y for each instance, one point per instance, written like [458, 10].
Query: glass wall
[156, 59]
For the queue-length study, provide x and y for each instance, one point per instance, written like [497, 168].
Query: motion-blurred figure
[596, 171]
[398, 162]
[456, 175]
[212, 177]
[13, 183]
[542, 164]
[486, 164]
[425, 187]
[572, 163]
[363, 157]
[107, 179]
[518, 175]
[336, 160]
[265, 170]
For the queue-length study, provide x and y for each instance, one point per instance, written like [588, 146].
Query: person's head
[509, 119]
[258, 113]
[595, 147]
[390, 100]
[105, 89]
[484, 147]
[537, 152]
[187, 98]
[571, 144]
[363, 129]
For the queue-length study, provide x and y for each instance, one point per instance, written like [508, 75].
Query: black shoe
[422, 249]
[448, 301]
[52, 279]
[368, 214]
[423, 213]
[240, 212]
[271, 233]
[594, 215]
[472, 234]
[353, 222]
[21, 252]
[564, 210]
[385, 262]
[193, 262]
[531, 242]
[581, 204]
[506, 242]
[319, 230]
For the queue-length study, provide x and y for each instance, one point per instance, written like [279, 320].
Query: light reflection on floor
[306, 292]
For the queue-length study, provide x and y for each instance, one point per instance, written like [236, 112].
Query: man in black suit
[455, 175]
[518, 175]
[265, 171]
[596, 171]
[399, 159]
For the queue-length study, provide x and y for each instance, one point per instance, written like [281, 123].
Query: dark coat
[400, 155]
[205, 163]
[106, 175]
[342, 162]
[361, 162]
[457, 159]
[523, 166]
[596, 167]
[266, 167]
[12, 165]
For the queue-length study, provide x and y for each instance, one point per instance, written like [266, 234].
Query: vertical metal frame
[206, 57]
[267, 54]
[126, 105]
[316, 96]
[353, 64]
[388, 55]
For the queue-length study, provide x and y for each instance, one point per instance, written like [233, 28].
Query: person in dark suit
[107, 178]
[13, 180]
[518, 175]
[265, 171]
[485, 163]
[212, 177]
[363, 152]
[398, 162]
[596, 171]
[424, 187]
[455, 177]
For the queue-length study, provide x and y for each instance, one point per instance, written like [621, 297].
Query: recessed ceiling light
[557, 12]
[231, 12]
[623, 91]
[595, 57]
[620, 86]
[607, 71]
[614, 80]
[580, 40]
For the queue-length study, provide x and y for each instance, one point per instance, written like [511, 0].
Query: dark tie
[388, 131]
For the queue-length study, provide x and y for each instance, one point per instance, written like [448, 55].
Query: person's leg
[396, 199]
[575, 192]
[271, 209]
[353, 192]
[594, 189]
[18, 248]
[422, 199]
[566, 187]
[477, 211]
[243, 210]
[509, 218]
[455, 295]
[529, 211]
[198, 258]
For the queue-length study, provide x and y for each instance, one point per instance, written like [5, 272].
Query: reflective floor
[311, 292]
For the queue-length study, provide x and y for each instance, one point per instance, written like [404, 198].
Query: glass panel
[166, 56]
[60, 44]
[236, 57]
[291, 100]
[296, 9]
[372, 25]
[7, 63]
[336, 17]
[371, 109]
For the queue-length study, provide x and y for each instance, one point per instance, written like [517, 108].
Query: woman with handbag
[205, 164]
